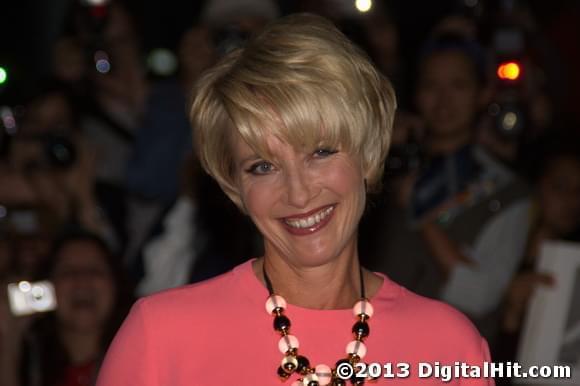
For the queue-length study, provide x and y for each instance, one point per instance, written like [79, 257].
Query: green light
[3, 75]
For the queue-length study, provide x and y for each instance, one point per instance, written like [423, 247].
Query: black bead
[313, 383]
[303, 363]
[282, 373]
[339, 382]
[281, 323]
[339, 362]
[361, 329]
[357, 381]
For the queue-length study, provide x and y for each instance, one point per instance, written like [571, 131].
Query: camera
[26, 298]
[54, 152]
[60, 151]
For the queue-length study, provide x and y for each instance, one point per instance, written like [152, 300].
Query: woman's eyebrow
[252, 157]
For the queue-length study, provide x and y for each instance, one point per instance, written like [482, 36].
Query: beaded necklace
[293, 362]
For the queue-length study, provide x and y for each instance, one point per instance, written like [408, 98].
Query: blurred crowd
[101, 194]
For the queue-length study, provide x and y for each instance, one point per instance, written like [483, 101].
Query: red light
[509, 71]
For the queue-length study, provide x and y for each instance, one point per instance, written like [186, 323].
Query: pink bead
[287, 343]
[274, 302]
[297, 383]
[356, 347]
[324, 374]
[309, 378]
[363, 307]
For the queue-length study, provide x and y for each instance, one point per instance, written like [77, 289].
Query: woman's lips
[310, 222]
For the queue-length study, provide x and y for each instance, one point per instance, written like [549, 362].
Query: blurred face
[49, 113]
[559, 194]
[448, 95]
[84, 287]
[306, 203]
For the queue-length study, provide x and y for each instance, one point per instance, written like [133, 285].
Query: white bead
[356, 347]
[274, 302]
[324, 374]
[363, 307]
[287, 343]
[309, 378]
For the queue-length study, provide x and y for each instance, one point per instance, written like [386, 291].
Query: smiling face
[306, 203]
[84, 286]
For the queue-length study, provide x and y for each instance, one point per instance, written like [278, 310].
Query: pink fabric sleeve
[130, 357]
[478, 358]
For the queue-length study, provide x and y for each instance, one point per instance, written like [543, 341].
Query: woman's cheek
[260, 193]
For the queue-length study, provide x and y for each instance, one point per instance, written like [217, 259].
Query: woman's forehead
[273, 145]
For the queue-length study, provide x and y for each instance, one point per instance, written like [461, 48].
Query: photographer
[64, 348]
[464, 236]
[50, 166]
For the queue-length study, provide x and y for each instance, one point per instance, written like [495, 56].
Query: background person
[461, 233]
[65, 347]
[553, 214]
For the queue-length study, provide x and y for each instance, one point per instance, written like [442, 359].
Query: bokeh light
[162, 62]
[509, 71]
[363, 5]
[3, 75]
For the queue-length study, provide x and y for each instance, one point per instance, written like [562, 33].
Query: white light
[8, 120]
[103, 66]
[24, 286]
[510, 120]
[95, 3]
[162, 62]
[363, 5]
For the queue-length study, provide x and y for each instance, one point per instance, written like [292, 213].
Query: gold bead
[289, 364]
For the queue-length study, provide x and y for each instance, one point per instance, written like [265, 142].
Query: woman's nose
[298, 188]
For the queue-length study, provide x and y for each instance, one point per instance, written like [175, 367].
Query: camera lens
[60, 152]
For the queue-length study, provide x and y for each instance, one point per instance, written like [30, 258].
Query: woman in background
[64, 348]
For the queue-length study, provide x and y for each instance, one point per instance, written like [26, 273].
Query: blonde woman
[295, 128]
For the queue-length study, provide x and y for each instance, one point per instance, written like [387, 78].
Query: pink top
[217, 332]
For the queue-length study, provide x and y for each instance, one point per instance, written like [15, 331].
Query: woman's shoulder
[418, 313]
[192, 296]
[225, 290]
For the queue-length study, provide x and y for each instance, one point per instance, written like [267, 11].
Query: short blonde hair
[303, 81]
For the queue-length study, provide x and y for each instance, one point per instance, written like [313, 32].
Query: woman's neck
[335, 285]
[82, 347]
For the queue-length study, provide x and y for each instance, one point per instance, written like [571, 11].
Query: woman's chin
[313, 258]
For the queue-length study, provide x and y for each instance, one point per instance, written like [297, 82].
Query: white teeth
[310, 221]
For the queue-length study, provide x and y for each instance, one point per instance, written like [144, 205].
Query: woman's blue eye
[324, 152]
[259, 168]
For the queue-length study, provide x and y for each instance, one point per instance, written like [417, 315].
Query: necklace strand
[292, 362]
